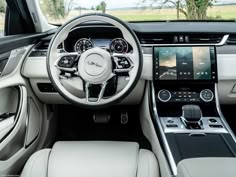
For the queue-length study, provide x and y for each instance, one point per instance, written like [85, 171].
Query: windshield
[60, 11]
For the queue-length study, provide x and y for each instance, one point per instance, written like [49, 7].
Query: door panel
[21, 113]
[33, 122]
[17, 132]
[21, 128]
[13, 142]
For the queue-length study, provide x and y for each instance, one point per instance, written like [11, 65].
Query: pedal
[101, 118]
[124, 117]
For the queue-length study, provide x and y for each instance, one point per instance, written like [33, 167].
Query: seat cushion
[92, 159]
[37, 164]
[207, 167]
[147, 164]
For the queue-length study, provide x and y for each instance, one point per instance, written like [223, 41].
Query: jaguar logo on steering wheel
[94, 63]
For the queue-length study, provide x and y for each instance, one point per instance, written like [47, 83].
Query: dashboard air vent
[232, 39]
[180, 38]
[43, 45]
[155, 38]
[41, 48]
[205, 38]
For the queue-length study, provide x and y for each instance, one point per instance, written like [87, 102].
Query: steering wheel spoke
[98, 88]
[66, 62]
[123, 63]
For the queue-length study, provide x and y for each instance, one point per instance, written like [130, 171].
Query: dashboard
[172, 53]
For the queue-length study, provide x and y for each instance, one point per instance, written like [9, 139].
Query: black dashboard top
[184, 27]
[175, 27]
[159, 30]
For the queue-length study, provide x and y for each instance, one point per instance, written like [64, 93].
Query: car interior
[100, 96]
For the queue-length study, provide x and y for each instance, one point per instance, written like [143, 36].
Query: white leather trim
[149, 131]
[135, 97]
[227, 78]
[35, 67]
[147, 72]
[207, 167]
[90, 159]
[37, 164]
[13, 163]
[226, 66]
[147, 166]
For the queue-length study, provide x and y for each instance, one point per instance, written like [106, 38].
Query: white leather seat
[92, 159]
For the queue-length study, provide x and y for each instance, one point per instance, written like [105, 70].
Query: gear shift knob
[191, 113]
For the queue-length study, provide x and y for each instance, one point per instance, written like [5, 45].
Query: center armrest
[207, 167]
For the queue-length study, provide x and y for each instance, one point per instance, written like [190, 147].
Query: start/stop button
[164, 95]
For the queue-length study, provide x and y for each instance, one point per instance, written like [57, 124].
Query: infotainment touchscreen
[185, 63]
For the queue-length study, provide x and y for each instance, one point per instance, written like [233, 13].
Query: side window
[2, 16]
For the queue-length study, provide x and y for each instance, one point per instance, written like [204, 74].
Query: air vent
[180, 38]
[205, 38]
[41, 49]
[155, 38]
[43, 45]
[232, 39]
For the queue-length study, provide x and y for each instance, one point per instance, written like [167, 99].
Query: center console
[186, 106]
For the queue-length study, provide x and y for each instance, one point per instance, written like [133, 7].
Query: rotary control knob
[206, 95]
[164, 95]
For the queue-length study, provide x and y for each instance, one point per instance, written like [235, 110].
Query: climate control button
[206, 95]
[164, 95]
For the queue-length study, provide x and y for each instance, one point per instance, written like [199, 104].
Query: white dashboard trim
[173, 165]
[35, 67]
[226, 66]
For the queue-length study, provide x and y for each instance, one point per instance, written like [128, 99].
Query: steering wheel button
[67, 61]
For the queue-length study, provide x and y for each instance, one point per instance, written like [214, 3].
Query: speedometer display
[119, 45]
[82, 45]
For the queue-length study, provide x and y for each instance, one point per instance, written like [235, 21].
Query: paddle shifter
[191, 116]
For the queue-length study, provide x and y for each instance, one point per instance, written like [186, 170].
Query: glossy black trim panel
[12, 42]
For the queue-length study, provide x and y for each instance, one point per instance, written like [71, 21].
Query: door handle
[7, 121]
[6, 115]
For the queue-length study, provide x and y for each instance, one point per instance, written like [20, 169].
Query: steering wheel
[86, 78]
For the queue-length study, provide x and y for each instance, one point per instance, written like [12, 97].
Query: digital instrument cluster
[117, 45]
